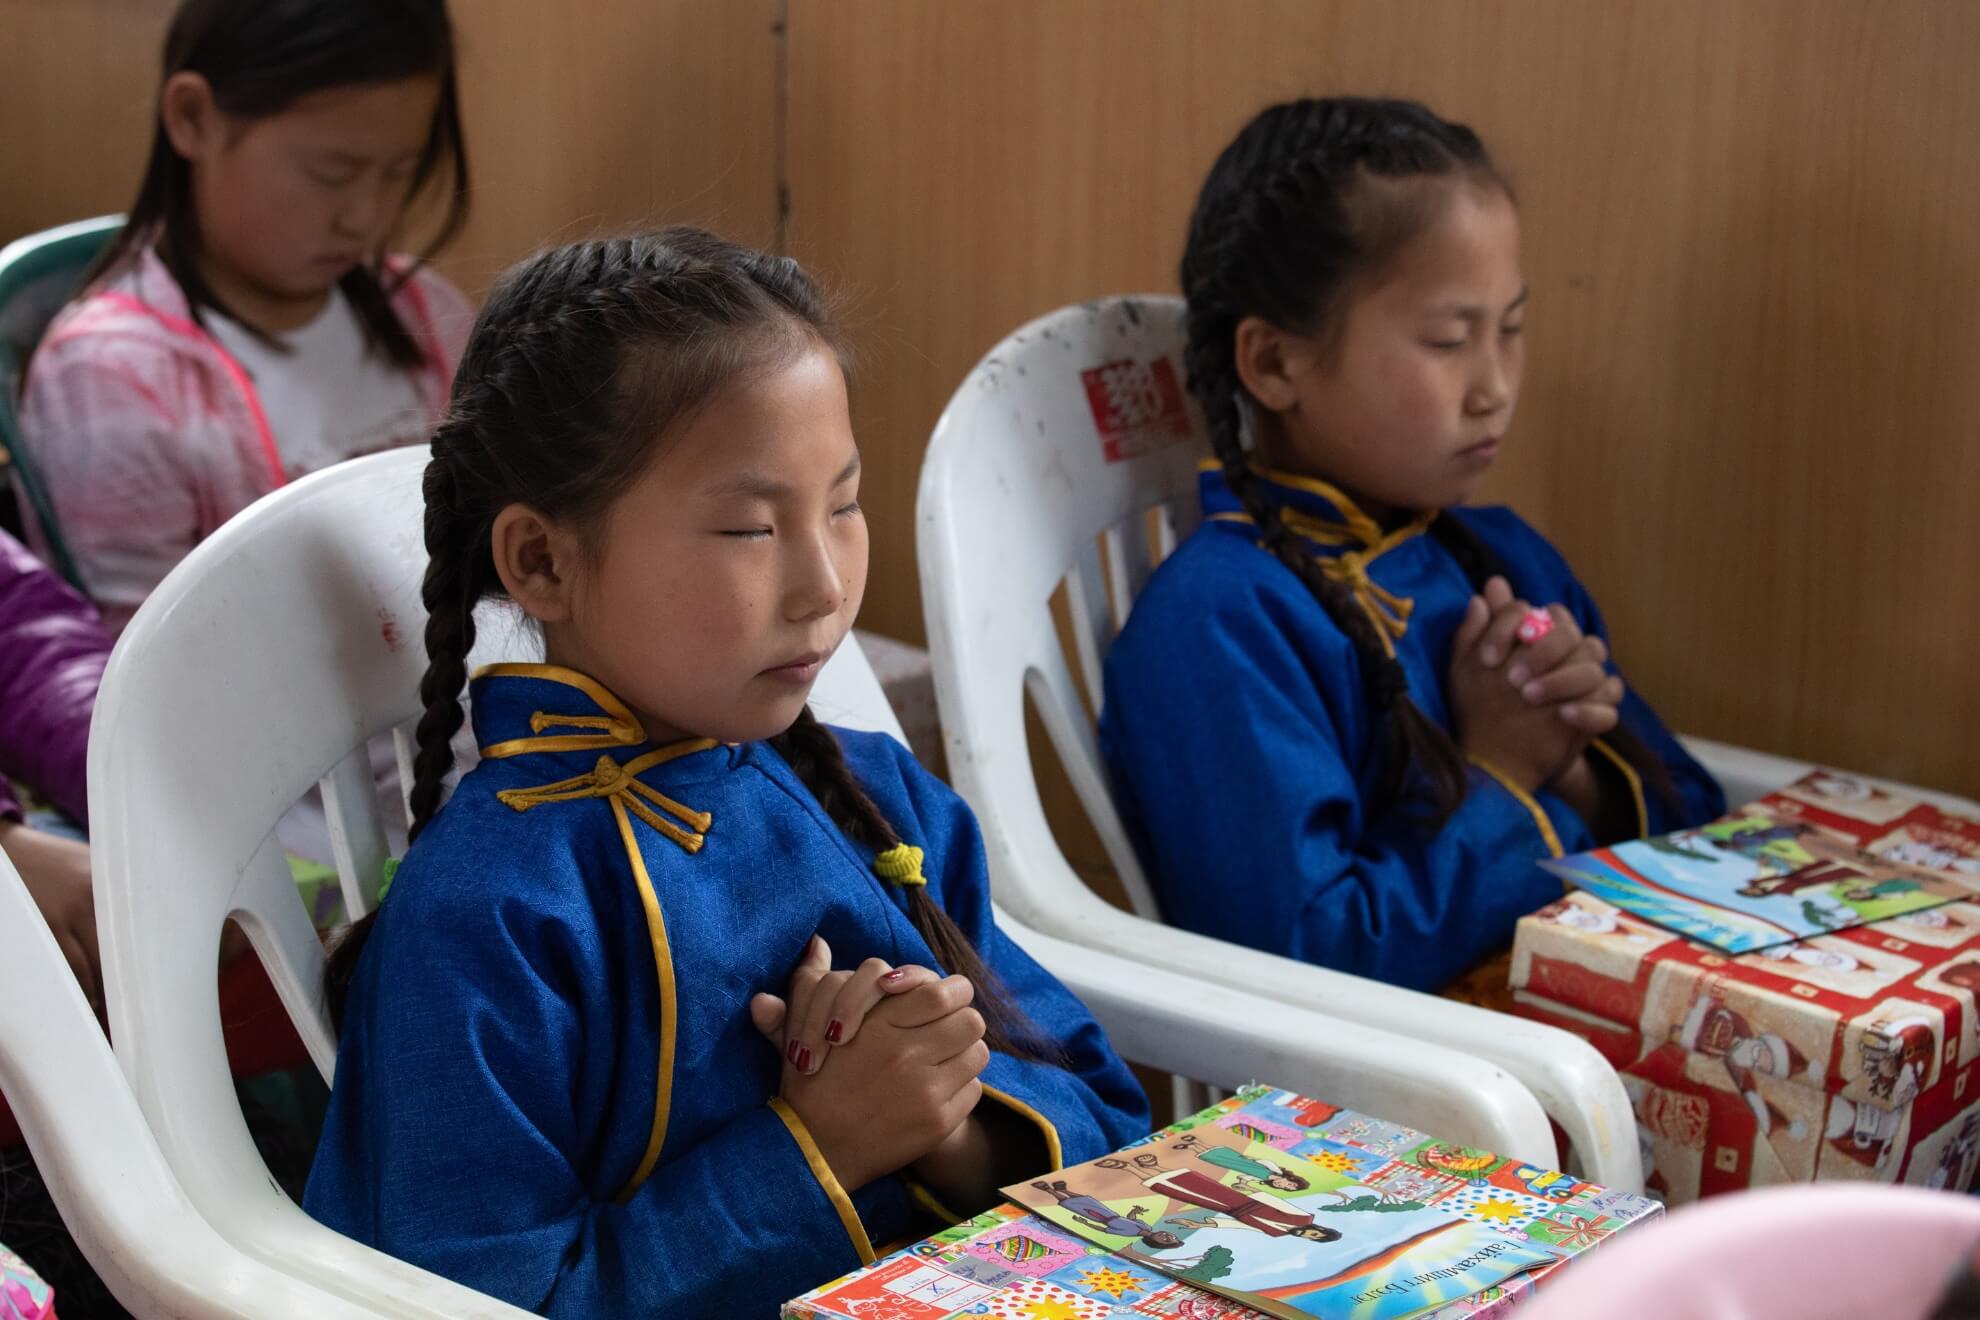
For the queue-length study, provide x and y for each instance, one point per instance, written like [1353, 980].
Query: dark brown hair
[1309, 201]
[583, 357]
[260, 57]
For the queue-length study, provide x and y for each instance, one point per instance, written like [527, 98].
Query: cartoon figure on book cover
[1234, 1207]
[1092, 1210]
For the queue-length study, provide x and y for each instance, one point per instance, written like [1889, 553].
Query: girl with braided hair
[552, 1082]
[1336, 727]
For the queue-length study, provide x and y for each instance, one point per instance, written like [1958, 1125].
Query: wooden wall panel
[579, 118]
[75, 106]
[1752, 415]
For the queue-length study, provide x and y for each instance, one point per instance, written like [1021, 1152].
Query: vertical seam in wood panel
[780, 31]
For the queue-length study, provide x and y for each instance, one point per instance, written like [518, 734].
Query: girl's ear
[1268, 362]
[191, 118]
[537, 560]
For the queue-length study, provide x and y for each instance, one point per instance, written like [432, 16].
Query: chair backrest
[38, 274]
[259, 667]
[1072, 449]
[90, 1142]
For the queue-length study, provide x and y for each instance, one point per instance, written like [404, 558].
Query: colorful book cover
[1766, 876]
[1395, 1214]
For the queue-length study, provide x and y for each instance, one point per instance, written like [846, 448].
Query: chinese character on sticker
[1137, 406]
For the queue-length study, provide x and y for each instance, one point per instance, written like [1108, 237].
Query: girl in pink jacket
[247, 325]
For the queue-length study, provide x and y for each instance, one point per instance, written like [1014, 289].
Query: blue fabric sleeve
[1093, 1101]
[467, 1160]
[1277, 848]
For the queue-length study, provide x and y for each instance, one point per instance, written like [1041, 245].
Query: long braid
[1285, 225]
[581, 359]
[815, 757]
[1409, 738]
[454, 581]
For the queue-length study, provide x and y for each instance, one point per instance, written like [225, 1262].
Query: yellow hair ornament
[901, 864]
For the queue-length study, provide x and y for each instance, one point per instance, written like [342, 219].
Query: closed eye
[747, 533]
[847, 510]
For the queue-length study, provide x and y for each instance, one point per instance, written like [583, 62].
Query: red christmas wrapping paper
[1853, 1055]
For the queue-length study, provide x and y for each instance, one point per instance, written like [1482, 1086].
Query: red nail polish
[891, 977]
[833, 1031]
[804, 1061]
[791, 1053]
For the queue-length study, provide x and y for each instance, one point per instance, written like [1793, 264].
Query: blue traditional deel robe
[548, 1086]
[1244, 749]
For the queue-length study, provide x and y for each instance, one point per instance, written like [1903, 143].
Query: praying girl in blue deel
[1349, 714]
[558, 1077]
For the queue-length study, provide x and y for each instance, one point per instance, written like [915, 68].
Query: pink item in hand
[1536, 624]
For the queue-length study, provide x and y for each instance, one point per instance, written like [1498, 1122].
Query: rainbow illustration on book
[1318, 1210]
[1305, 1227]
[1755, 879]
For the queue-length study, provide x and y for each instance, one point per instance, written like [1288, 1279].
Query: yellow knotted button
[901, 865]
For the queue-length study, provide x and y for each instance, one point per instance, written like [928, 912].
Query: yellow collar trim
[1389, 612]
[618, 727]
[619, 784]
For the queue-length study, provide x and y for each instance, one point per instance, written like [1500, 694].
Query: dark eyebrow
[756, 486]
[1470, 312]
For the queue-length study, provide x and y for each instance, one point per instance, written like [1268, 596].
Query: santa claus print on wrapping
[1715, 1031]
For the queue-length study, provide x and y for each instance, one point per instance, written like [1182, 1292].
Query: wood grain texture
[1752, 414]
[580, 119]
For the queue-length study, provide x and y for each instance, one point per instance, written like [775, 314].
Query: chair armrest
[1747, 775]
[1230, 1038]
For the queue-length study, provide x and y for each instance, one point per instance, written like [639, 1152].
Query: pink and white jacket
[149, 434]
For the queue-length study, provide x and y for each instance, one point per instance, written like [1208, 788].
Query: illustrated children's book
[1827, 853]
[1268, 1204]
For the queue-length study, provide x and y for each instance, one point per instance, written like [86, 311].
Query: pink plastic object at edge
[1822, 1251]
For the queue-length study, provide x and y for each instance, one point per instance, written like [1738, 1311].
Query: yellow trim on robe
[924, 1198]
[1635, 782]
[663, 965]
[622, 729]
[619, 786]
[1387, 612]
[1053, 1149]
[1527, 800]
[828, 1180]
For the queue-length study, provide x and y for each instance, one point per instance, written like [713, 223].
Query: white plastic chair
[1024, 490]
[262, 664]
[1068, 456]
[103, 1169]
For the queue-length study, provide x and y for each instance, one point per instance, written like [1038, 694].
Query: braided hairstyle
[1307, 203]
[583, 357]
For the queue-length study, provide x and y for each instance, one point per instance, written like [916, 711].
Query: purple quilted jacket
[52, 650]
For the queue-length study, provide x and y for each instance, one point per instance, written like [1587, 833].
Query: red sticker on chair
[1137, 406]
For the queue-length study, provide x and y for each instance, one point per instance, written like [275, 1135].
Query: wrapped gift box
[1845, 1056]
